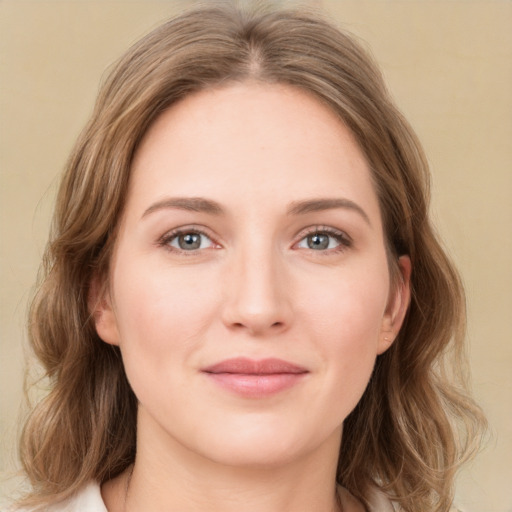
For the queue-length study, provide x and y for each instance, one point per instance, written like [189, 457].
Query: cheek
[161, 317]
[345, 320]
[161, 300]
[348, 307]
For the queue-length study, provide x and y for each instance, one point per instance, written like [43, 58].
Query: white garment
[379, 503]
[89, 500]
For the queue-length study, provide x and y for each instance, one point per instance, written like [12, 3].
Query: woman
[244, 304]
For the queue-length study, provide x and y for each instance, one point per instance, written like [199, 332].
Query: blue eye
[189, 241]
[323, 241]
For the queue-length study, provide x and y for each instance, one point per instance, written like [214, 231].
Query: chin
[265, 445]
[263, 454]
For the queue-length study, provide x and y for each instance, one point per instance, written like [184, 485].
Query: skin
[254, 288]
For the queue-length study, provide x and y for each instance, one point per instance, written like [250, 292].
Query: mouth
[255, 379]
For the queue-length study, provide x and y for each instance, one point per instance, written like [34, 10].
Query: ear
[102, 311]
[398, 304]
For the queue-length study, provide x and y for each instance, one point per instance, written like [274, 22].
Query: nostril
[258, 327]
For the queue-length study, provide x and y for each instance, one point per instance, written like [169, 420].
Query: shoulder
[88, 499]
[379, 502]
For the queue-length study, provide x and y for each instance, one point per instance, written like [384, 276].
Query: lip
[255, 378]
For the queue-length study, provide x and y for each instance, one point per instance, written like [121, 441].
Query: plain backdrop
[448, 63]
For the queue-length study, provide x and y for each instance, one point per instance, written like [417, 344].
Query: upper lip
[246, 366]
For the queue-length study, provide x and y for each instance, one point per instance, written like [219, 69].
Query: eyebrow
[318, 205]
[203, 205]
[193, 204]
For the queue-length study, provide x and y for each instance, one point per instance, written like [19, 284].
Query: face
[249, 289]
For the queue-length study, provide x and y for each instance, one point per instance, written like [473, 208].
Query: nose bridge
[257, 293]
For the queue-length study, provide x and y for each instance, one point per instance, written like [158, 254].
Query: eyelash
[166, 239]
[344, 241]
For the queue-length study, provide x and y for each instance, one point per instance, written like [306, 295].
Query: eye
[324, 240]
[188, 241]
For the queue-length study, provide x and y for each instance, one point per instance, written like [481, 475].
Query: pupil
[190, 241]
[318, 241]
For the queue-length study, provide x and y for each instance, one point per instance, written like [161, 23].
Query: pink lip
[255, 379]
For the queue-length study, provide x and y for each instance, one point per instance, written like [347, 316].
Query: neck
[168, 476]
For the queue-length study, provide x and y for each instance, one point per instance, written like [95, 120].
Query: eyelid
[164, 240]
[344, 239]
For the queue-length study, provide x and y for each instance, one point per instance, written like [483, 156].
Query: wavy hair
[415, 423]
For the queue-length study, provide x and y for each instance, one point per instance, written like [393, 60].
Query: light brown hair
[415, 423]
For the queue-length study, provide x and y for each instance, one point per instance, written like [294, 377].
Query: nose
[258, 294]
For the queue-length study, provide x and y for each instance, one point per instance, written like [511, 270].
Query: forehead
[251, 142]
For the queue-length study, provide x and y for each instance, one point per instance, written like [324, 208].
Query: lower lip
[256, 386]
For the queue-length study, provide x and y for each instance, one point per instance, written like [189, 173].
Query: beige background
[449, 65]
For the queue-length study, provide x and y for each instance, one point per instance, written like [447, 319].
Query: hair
[415, 423]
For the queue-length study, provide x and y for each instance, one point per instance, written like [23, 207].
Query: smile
[255, 379]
